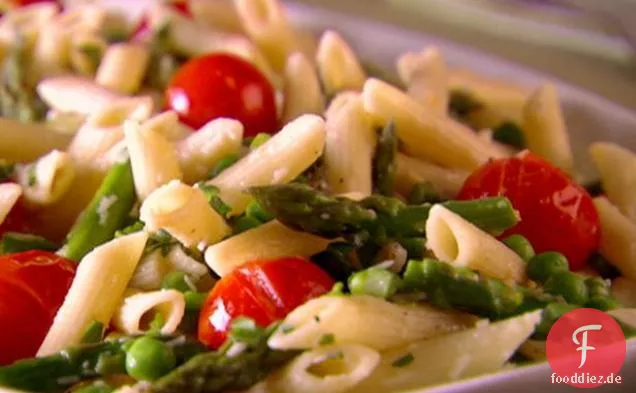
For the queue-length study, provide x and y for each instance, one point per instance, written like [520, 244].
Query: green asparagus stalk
[60, 371]
[107, 212]
[384, 160]
[377, 217]
[448, 286]
[17, 242]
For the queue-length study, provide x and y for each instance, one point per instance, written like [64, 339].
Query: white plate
[589, 118]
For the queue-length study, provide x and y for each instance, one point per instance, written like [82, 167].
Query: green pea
[568, 285]
[521, 246]
[194, 300]
[551, 313]
[544, 265]
[597, 287]
[223, 164]
[244, 223]
[148, 359]
[259, 140]
[177, 280]
[602, 303]
[374, 281]
[255, 210]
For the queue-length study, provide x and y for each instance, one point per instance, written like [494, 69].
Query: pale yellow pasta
[483, 349]
[279, 160]
[133, 313]
[302, 90]
[411, 171]
[201, 150]
[617, 168]
[23, 142]
[123, 67]
[64, 122]
[45, 181]
[425, 74]
[75, 94]
[217, 14]
[618, 237]
[338, 65]
[349, 147]
[167, 125]
[9, 194]
[544, 128]
[266, 24]
[25, 22]
[155, 266]
[333, 369]
[365, 320]
[153, 158]
[624, 291]
[273, 240]
[426, 135]
[184, 212]
[457, 241]
[86, 51]
[624, 315]
[91, 297]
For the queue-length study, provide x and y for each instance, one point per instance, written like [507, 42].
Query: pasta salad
[211, 199]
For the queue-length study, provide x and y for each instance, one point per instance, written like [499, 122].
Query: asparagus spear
[106, 213]
[377, 217]
[384, 160]
[17, 242]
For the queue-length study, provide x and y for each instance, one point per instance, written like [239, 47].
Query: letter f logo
[583, 344]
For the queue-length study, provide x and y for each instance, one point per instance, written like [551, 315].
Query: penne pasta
[302, 90]
[75, 94]
[426, 76]
[217, 14]
[426, 135]
[624, 291]
[156, 265]
[544, 128]
[200, 151]
[167, 125]
[91, 297]
[24, 142]
[618, 237]
[349, 147]
[135, 310]
[280, 160]
[45, 181]
[64, 122]
[123, 67]
[183, 212]
[9, 195]
[25, 23]
[334, 369]
[457, 241]
[153, 158]
[86, 51]
[338, 65]
[411, 171]
[364, 320]
[274, 241]
[617, 167]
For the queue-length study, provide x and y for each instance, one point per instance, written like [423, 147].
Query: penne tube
[150, 271]
[123, 67]
[618, 237]
[426, 76]
[411, 171]
[280, 160]
[167, 125]
[9, 195]
[45, 181]
[135, 309]
[216, 14]
[86, 51]
[51, 52]
[302, 90]
[24, 142]
[25, 22]
[457, 241]
[349, 147]
[426, 135]
[91, 297]
[338, 65]
[200, 151]
[75, 94]
[153, 158]
[624, 291]
[617, 167]
[64, 122]
[364, 320]
[273, 240]
[183, 212]
[544, 128]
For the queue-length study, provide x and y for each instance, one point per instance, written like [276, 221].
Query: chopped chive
[287, 329]
[317, 318]
[403, 361]
[32, 178]
[93, 333]
[327, 339]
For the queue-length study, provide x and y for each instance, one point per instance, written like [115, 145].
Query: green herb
[160, 240]
[32, 178]
[244, 223]
[287, 329]
[384, 160]
[327, 339]
[132, 228]
[462, 105]
[223, 164]
[317, 318]
[259, 140]
[403, 361]
[94, 54]
[7, 170]
[336, 290]
[93, 333]
[510, 134]
[212, 194]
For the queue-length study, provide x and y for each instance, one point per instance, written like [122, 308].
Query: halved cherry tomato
[33, 285]
[556, 213]
[16, 220]
[265, 291]
[223, 85]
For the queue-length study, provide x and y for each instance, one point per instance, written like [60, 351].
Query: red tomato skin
[33, 285]
[265, 291]
[223, 85]
[16, 220]
[556, 213]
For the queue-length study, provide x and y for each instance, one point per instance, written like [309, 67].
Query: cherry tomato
[222, 85]
[265, 291]
[556, 213]
[16, 220]
[33, 285]
[23, 3]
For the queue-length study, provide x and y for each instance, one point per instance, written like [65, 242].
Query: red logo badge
[586, 348]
